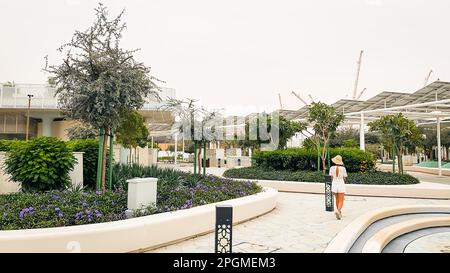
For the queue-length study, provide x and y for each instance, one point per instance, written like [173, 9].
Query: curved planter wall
[137, 233]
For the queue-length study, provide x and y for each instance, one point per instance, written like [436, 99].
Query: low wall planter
[136, 234]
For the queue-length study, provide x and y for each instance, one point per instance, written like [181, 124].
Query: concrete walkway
[414, 169]
[424, 177]
[298, 224]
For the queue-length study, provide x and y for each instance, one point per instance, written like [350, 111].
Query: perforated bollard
[329, 206]
[224, 229]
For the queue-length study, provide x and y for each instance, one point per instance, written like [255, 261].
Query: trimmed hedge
[381, 178]
[354, 159]
[90, 159]
[265, 174]
[369, 178]
[40, 164]
[165, 158]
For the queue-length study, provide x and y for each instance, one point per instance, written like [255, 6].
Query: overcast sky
[245, 52]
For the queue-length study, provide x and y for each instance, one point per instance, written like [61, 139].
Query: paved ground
[299, 223]
[424, 177]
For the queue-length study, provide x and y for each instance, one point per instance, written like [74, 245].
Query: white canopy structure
[428, 105]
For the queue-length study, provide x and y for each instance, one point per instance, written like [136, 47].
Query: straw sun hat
[337, 160]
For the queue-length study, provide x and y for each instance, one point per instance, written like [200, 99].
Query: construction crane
[279, 98]
[357, 74]
[427, 78]
[298, 97]
[360, 94]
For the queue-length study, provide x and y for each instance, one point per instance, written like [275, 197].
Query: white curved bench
[347, 237]
[379, 241]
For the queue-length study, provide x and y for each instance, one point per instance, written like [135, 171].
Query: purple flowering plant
[176, 190]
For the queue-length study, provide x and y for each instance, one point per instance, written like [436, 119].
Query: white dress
[338, 184]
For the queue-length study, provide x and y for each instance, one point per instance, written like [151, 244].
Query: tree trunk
[199, 158]
[324, 159]
[318, 157]
[105, 142]
[195, 157]
[204, 158]
[400, 160]
[130, 159]
[324, 164]
[136, 157]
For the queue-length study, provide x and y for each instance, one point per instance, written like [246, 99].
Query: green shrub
[288, 159]
[260, 173]
[90, 159]
[40, 164]
[167, 176]
[350, 143]
[355, 160]
[165, 158]
[372, 178]
[6, 145]
[381, 178]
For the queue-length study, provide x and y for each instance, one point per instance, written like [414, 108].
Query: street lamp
[28, 115]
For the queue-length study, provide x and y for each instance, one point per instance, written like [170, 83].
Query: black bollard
[224, 228]
[329, 205]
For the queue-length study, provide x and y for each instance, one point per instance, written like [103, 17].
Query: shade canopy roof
[423, 105]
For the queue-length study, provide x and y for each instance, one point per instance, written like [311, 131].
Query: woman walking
[338, 174]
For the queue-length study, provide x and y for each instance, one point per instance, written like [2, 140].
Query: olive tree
[324, 120]
[195, 123]
[97, 80]
[81, 131]
[286, 129]
[430, 139]
[132, 132]
[397, 132]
